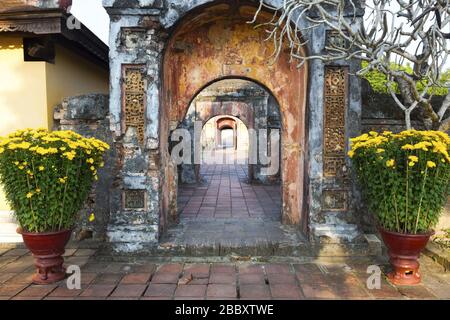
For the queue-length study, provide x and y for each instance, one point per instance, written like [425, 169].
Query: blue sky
[92, 14]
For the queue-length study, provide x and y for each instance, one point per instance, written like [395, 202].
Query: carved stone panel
[134, 199]
[334, 200]
[133, 93]
[335, 40]
[131, 38]
[335, 105]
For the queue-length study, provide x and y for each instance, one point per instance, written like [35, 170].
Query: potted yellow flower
[405, 180]
[47, 177]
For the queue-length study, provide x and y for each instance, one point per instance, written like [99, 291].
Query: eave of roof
[53, 22]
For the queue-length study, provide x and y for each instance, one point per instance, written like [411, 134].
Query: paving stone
[281, 278]
[39, 291]
[221, 268]
[156, 298]
[254, 291]
[190, 291]
[129, 290]
[253, 269]
[107, 278]
[11, 290]
[170, 268]
[415, 292]
[97, 290]
[136, 278]
[5, 277]
[160, 290]
[69, 252]
[16, 252]
[277, 268]
[197, 269]
[84, 252]
[63, 291]
[21, 278]
[312, 278]
[248, 278]
[87, 277]
[306, 268]
[160, 277]
[145, 268]
[222, 278]
[221, 291]
[26, 298]
[317, 291]
[285, 291]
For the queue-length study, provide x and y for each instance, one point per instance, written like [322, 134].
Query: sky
[92, 14]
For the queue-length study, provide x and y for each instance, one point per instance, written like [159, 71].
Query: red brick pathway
[113, 280]
[227, 194]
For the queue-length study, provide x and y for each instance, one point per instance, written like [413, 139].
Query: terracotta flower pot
[47, 249]
[404, 251]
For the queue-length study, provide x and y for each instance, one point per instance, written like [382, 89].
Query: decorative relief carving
[45, 26]
[134, 99]
[334, 200]
[335, 40]
[134, 199]
[132, 37]
[335, 101]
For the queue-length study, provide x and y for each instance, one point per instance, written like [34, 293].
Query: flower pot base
[406, 271]
[49, 269]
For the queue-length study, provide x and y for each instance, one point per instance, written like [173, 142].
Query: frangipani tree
[393, 33]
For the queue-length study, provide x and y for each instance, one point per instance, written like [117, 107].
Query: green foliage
[378, 81]
[405, 177]
[47, 176]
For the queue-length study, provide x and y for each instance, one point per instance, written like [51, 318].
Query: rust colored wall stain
[218, 43]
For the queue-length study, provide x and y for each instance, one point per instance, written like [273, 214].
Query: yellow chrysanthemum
[390, 163]
[91, 217]
[29, 195]
[431, 164]
[413, 158]
[41, 168]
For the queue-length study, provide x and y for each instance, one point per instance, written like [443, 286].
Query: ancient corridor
[226, 193]
[225, 212]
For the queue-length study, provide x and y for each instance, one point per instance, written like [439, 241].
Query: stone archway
[217, 43]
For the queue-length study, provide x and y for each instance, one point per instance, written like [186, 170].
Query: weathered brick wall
[88, 115]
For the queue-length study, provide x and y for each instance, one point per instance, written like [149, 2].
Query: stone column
[136, 44]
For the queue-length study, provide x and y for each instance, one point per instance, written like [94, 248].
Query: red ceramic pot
[47, 249]
[404, 251]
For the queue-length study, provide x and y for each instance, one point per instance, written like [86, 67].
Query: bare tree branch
[392, 33]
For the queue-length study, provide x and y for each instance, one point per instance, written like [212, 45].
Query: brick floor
[226, 193]
[237, 280]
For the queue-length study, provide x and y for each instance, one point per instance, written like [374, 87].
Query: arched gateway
[163, 56]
